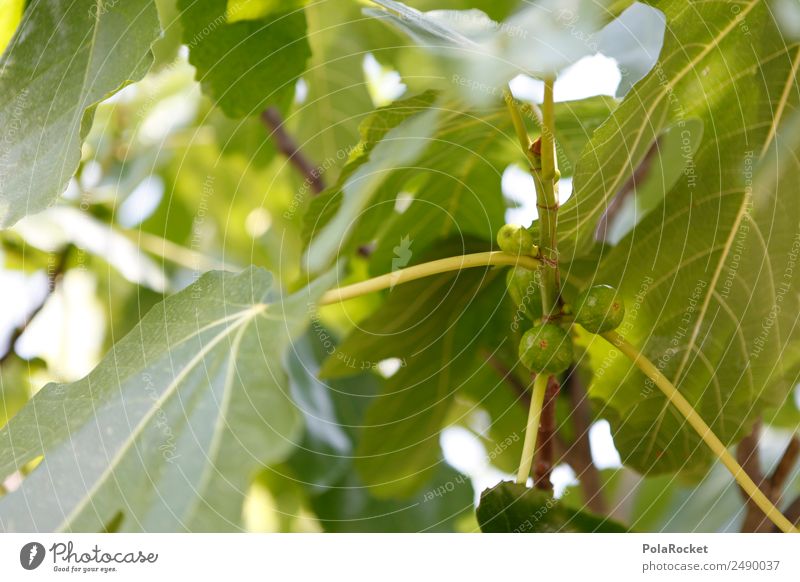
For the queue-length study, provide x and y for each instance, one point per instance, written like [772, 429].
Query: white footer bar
[402, 558]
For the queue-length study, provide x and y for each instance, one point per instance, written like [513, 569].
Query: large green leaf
[541, 39]
[712, 273]
[63, 61]
[172, 425]
[245, 65]
[708, 55]
[513, 508]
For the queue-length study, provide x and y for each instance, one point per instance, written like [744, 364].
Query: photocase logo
[31, 555]
[402, 255]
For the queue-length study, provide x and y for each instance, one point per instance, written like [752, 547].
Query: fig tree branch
[749, 458]
[286, 144]
[579, 452]
[54, 274]
[792, 513]
[785, 465]
[543, 466]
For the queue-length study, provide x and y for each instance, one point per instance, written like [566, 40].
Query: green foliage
[709, 38]
[245, 65]
[402, 145]
[471, 46]
[324, 461]
[453, 185]
[713, 305]
[48, 102]
[202, 391]
[437, 508]
[249, 401]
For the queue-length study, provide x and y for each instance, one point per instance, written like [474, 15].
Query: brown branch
[511, 379]
[55, 271]
[629, 188]
[543, 467]
[579, 453]
[772, 486]
[792, 513]
[784, 467]
[273, 120]
[749, 458]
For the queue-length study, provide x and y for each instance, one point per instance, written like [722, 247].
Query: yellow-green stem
[703, 430]
[519, 125]
[548, 132]
[174, 253]
[401, 276]
[532, 428]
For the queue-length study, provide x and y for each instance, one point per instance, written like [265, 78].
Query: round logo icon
[31, 555]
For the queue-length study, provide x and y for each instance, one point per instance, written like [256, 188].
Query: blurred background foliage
[168, 187]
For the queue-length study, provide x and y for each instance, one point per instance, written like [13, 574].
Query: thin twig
[792, 513]
[288, 147]
[579, 453]
[749, 458]
[784, 467]
[629, 188]
[511, 379]
[54, 275]
[547, 429]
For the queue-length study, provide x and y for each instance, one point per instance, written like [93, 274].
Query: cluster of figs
[547, 346]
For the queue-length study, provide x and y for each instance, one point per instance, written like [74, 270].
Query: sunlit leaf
[172, 425]
[65, 59]
[711, 272]
[248, 65]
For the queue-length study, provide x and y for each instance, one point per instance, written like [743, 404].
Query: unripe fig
[515, 239]
[599, 308]
[524, 290]
[546, 349]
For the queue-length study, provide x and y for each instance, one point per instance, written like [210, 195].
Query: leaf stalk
[493, 258]
[702, 429]
[532, 428]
